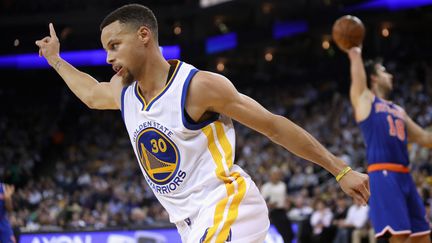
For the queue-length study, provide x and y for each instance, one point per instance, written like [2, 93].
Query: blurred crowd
[78, 171]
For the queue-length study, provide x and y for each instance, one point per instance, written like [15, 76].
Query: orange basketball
[348, 31]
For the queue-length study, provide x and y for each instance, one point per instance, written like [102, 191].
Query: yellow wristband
[342, 173]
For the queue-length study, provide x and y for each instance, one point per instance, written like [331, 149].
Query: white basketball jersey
[187, 165]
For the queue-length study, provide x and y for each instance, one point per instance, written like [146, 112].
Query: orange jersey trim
[388, 166]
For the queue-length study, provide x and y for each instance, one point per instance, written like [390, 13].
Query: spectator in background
[341, 210]
[301, 209]
[274, 193]
[353, 225]
[339, 214]
[321, 221]
[6, 233]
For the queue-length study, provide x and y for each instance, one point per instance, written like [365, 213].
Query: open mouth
[117, 68]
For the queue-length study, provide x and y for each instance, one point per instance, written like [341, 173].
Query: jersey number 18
[397, 128]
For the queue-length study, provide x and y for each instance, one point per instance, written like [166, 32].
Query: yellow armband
[342, 173]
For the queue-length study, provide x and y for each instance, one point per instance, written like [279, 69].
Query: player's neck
[154, 74]
[380, 93]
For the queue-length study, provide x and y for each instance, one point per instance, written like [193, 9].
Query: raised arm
[360, 95]
[94, 94]
[212, 92]
[8, 190]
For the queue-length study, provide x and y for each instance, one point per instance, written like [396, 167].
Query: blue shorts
[6, 233]
[395, 205]
[7, 236]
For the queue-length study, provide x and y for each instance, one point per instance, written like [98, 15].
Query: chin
[127, 79]
[390, 88]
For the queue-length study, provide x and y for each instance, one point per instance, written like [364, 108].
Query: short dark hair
[136, 15]
[370, 68]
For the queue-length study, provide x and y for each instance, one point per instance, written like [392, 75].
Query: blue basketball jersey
[395, 204]
[2, 204]
[385, 134]
[6, 233]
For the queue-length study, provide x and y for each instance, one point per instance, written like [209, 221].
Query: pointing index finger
[52, 31]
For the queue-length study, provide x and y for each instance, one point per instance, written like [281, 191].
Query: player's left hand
[356, 185]
[49, 47]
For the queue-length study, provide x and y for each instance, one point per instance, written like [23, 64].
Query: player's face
[383, 79]
[122, 45]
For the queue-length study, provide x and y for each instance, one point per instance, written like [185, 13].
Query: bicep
[222, 97]
[362, 105]
[358, 90]
[107, 95]
[250, 113]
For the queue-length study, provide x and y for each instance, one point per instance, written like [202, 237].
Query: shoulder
[363, 105]
[367, 96]
[399, 108]
[205, 79]
[208, 87]
[400, 111]
[364, 100]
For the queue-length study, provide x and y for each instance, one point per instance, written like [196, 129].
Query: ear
[144, 34]
[373, 78]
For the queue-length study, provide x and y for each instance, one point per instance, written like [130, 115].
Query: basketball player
[396, 208]
[6, 233]
[179, 122]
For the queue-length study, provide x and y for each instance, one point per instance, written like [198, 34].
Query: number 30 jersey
[187, 164]
[385, 133]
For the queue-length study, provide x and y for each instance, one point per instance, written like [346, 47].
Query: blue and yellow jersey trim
[122, 100]
[146, 106]
[186, 123]
[226, 210]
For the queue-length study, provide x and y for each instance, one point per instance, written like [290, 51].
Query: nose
[109, 58]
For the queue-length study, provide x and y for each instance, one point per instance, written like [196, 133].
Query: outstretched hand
[356, 185]
[49, 46]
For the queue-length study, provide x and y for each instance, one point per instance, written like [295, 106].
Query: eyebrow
[109, 42]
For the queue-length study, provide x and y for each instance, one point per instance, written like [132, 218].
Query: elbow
[90, 104]
[90, 98]
[96, 104]
[426, 140]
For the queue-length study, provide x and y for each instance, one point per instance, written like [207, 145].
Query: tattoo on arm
[57, 65]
